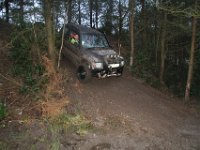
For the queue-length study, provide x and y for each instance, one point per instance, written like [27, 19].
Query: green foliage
[3, 145]
[144, 68]
[2, 111]
[173, 81]
[26, 64]
[55, 142]
[196, 79]
[66, 124]
[69, 123]
[140, 69]
[177, 47]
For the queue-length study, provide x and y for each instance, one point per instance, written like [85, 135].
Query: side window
[73, 38]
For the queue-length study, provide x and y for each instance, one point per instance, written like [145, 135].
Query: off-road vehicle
[89, 50]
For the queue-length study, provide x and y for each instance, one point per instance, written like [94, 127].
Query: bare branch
[179, 11]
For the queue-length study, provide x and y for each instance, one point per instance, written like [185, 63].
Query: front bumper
[112, 65]
[108, 71]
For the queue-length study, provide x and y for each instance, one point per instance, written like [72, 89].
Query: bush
[196, 79]
[2, 111]
[26, 60]
[144, 68]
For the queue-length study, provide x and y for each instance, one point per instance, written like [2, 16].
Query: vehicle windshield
[94, 41]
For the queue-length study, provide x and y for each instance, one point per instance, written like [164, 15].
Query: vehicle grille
[112, 61]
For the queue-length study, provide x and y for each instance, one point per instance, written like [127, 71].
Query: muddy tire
[83, 73]
[120, 71]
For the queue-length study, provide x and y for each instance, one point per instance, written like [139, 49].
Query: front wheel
[83, 73]
[120, 71]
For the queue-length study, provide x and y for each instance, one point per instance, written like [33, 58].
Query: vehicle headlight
[98, 65]
[122, 63]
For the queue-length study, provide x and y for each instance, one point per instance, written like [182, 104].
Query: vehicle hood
[99, 55]
[103, 53]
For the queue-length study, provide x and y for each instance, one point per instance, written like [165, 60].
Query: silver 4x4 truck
[89, 50]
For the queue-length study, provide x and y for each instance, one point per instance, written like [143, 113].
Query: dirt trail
[135, 116]
[126, 113]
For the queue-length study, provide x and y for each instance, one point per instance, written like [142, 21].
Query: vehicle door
[72, 46]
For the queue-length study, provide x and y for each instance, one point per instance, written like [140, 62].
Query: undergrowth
[144, 70]
[72, 123]
[66, 124]
[2, 110]
[27, 62]
[77, 123]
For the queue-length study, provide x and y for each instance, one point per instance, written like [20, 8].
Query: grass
[55, 143]
[78, 123]
[66, 124]
[3, 145]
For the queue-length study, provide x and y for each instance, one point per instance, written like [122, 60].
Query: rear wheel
[83, 73]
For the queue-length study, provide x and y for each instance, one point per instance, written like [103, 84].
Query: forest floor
[117, 113]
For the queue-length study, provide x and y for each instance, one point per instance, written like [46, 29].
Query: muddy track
[126, 114]
[148, 119]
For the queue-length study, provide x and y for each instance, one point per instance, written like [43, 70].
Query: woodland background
[158, 38]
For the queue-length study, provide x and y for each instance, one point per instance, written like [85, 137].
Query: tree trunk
[49, 27]
[69, 11]
[79, 12]
[162, 53]
[109, 17]
[143, 24]
[120, 18]
[132, 8]
[157, 32]
[91, 8]
[36, 48]
[7, 5]
[191, 61]
[54, 21]
[96, 13]
[21, 4]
